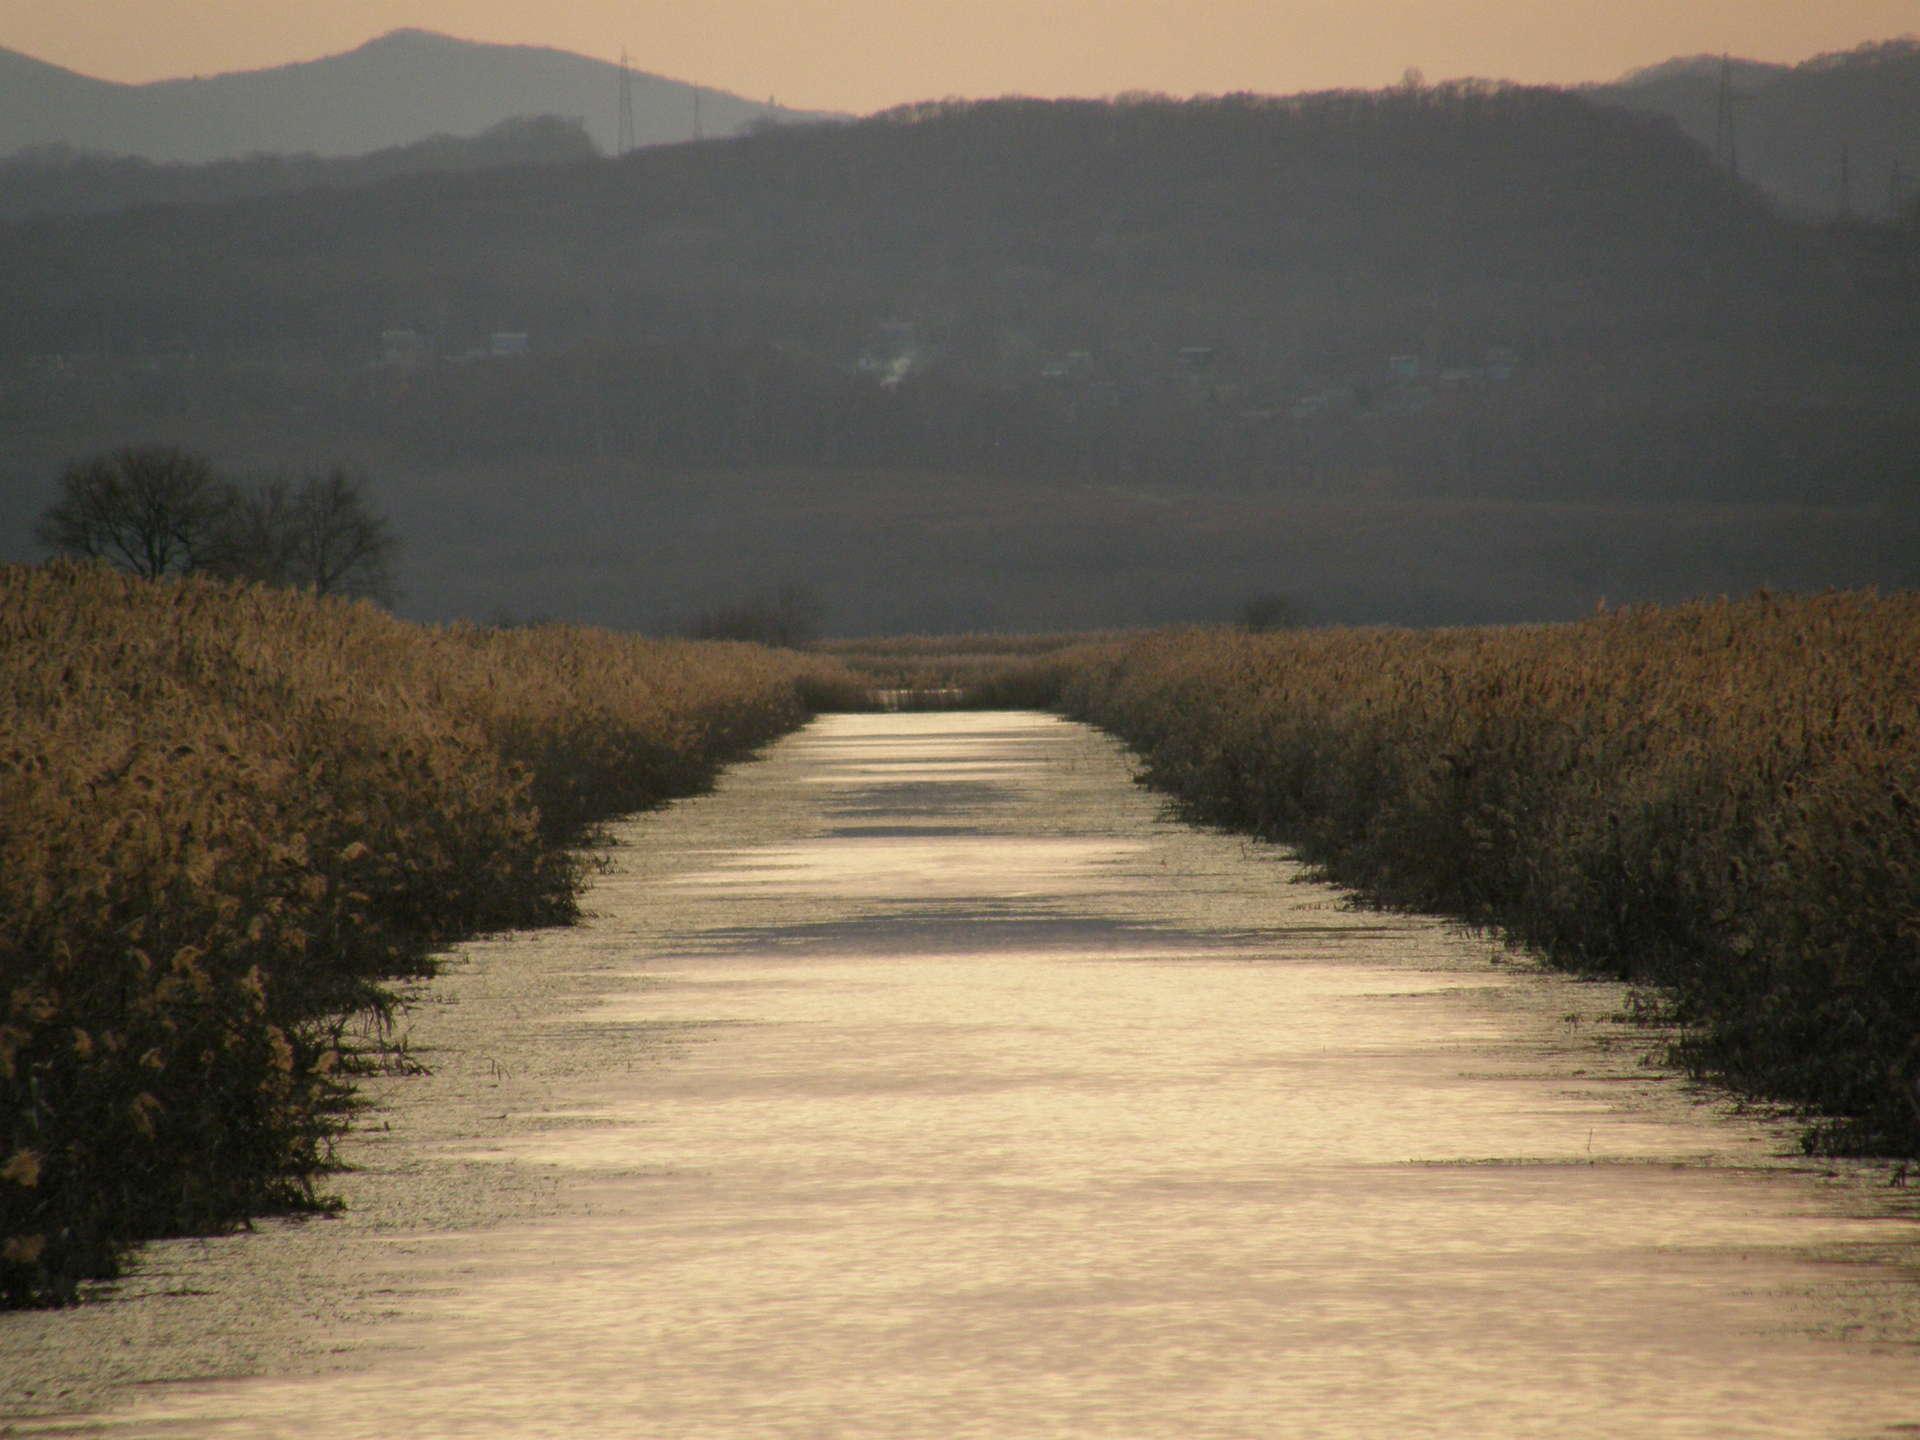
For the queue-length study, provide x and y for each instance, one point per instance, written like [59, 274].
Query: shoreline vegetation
[1719, 800]
[231, 815]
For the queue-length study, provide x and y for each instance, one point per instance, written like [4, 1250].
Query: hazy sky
[863, 54]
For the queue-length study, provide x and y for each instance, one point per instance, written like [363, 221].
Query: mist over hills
[401, 88]
[58, 180]
[1792, 122]
[1269, 226]
[1463, 353]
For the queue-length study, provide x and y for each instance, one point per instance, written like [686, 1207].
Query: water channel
[926, 1080]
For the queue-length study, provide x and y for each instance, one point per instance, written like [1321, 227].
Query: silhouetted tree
[259, 523]
[789, 616]
[321, 534]
[158, 511]
[153, 510]
[1269, 611]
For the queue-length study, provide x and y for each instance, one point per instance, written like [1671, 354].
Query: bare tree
[153, 510]
[339, 544]
[1269, 610]
[321, 534]
[789, 616]
[158, 511]
[259, 533]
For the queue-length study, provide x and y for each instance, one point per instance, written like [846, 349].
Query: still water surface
[926, 1081]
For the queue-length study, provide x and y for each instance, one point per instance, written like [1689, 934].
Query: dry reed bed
[228, 814]
[937, 665]
[1720, 798]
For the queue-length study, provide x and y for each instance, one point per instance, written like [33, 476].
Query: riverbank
[232, 817]
[925, 1078]
[1721, 799]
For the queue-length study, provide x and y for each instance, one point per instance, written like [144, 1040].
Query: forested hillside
[1519, 212]
[58, 180]
[1457, 296]
[1837, 134]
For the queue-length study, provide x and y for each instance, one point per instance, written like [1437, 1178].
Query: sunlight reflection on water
[1040, 1115]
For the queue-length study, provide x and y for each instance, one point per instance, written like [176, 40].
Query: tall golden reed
[228, 813]
[1721, 797]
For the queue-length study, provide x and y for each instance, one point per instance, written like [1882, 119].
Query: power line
[628, 138]
[1726, 139]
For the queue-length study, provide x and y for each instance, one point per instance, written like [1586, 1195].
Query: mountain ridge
[1792, 123]
[1442, 354]
[50, 180]
[411, 84]
[397, 88]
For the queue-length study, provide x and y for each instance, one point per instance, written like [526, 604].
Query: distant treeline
[59, 180]
[1456, 291]
[1698, 426]
[1342, 222]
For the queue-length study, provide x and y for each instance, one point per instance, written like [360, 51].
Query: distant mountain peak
[19, 63]
[1794, 123]
[395, 89]
[1898, 50]
[1688, 66]
[413, 37]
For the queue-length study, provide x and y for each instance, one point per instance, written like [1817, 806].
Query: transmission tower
[628, 139]
[698, 133]
[1846, 183]
[1726, 139]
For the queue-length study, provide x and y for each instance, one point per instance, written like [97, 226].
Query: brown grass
[976, 665]
[227, 814]
[1722, 797]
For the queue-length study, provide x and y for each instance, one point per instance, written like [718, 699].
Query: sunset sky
[863, 54]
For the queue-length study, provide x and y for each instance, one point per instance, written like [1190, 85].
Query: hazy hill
[58, 180]
[1792, 122]
[396, 90]
[1462, 353]
[1274, 227]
